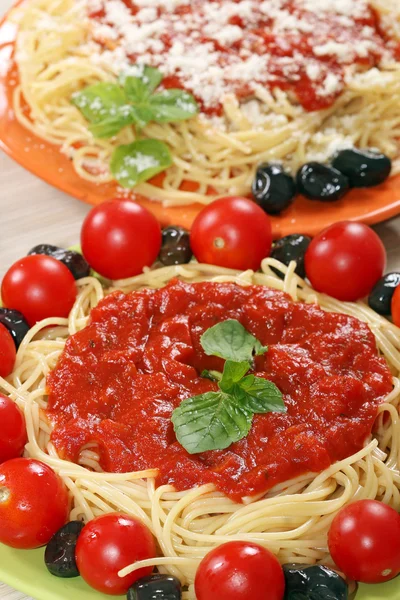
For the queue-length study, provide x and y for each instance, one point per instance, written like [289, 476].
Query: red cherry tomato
[108, 544]
[345, 261]
[232, 232]
[396, 306]
[33, 503]
[119, 238]
[39, 287]
[239, 571]
[12, 431]
[7, 352]
[364, 541]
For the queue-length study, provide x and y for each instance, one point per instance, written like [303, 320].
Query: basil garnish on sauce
[211, 421]
[134, 100]
[215, 420]
[230, 340]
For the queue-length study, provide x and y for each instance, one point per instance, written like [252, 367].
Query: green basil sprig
[230, 340]
[215, 420]
[134, 100]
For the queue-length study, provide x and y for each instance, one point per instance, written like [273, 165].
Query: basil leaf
[100, 101]
[211, 421]
[139, 161]
[136, 90]
[152, 78]
[233, 373]
[173, 105]
[262, 396]
[112, 125]
[230, 340]
[140, 81]
[142, 115]
[211, 375]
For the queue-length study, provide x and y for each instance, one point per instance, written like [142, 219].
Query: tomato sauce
[303, 48]
[119, 379]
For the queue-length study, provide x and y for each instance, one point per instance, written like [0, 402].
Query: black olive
[75, 262]
[291, 247]
[15, 323]
[59, 555]
[156, 587]
[313, 583]
[363, 168]
[320, 182]
[175, 249]
[380, 299]
[273, 189]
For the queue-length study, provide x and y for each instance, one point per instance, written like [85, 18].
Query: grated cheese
[231, 47]
[350, 8]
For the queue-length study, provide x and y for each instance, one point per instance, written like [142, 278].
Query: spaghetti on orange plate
[288, 80]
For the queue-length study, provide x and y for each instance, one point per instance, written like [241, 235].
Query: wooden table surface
[31, 212]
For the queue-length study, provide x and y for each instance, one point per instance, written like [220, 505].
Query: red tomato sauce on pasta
[287, 45]
[119, 379]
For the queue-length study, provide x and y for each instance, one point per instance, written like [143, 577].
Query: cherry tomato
[39, 287]
[364, 541]
[240, 571]
[232, 232]
[7, 352]
[108, 544]
[396, 306]
[345, 261]
[33, 503]
[119, 238]
[12, 431]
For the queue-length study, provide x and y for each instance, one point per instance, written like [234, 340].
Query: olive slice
[291, 247]
[363, 168]
[59, 555]
[175, 248]
[156, 587]
[273, 188]
[320, 182]
[15, 323]
[313, 582]
[380, 298]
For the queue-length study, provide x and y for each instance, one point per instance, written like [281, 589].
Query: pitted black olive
[175, 249]
[15, 323]
[380, 299]
[363, 168]
[156, 587]
[320, 182]
[74, 261]
[273, 189]
[291, 247]
[59, 555]
[313, 583]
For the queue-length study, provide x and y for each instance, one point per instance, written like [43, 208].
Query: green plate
[25, 571]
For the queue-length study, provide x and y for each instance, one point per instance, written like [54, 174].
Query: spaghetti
[188, 524]
[353, 83]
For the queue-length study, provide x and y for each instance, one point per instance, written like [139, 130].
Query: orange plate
[46, 161]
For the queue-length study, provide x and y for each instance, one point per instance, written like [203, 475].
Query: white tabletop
[31, 212]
